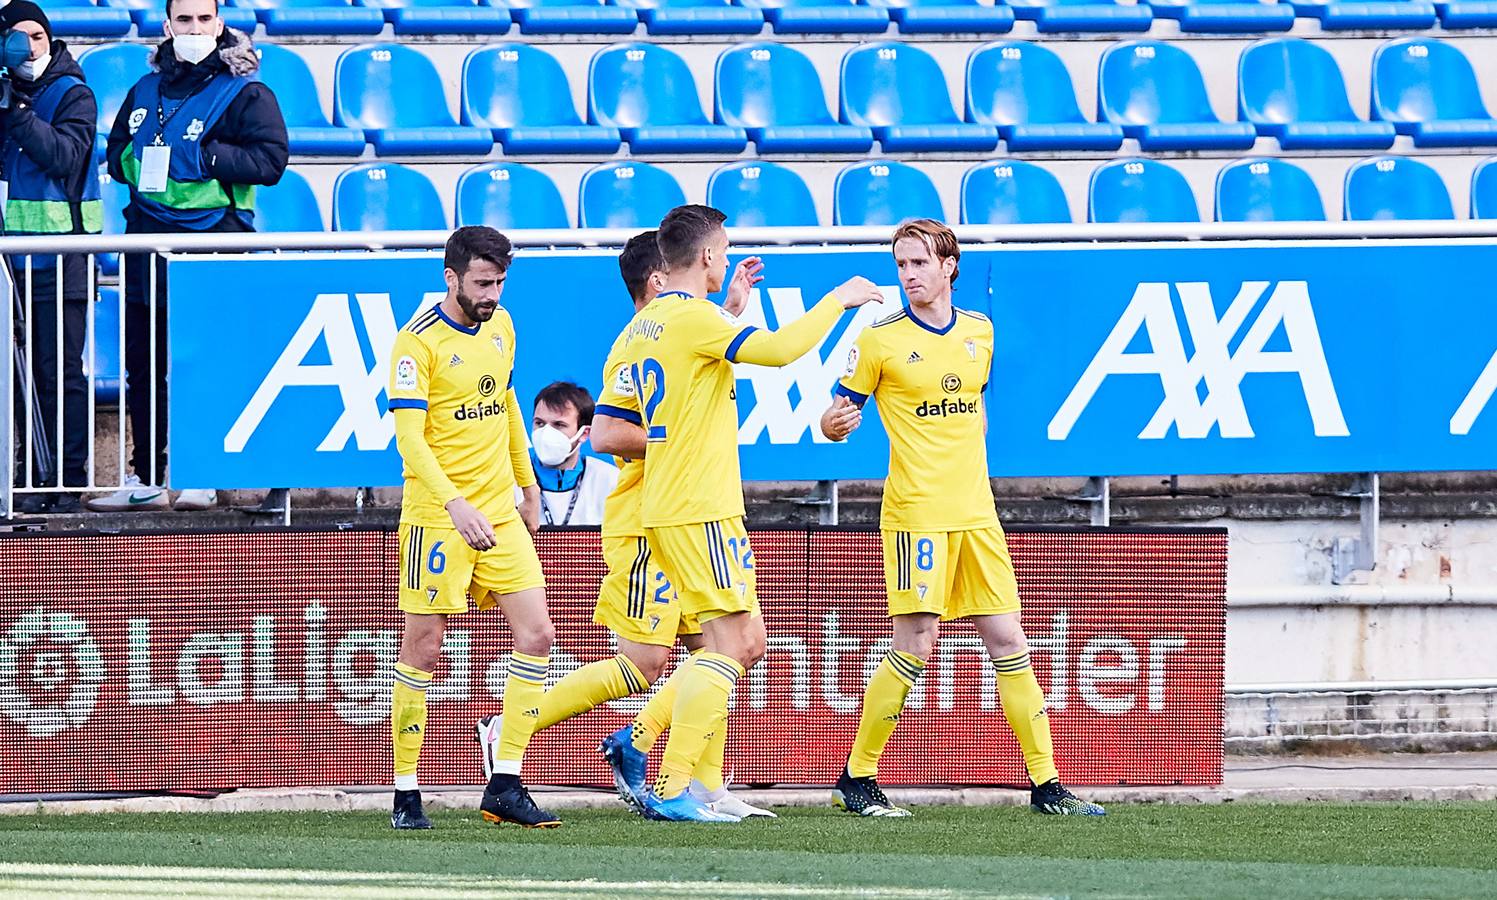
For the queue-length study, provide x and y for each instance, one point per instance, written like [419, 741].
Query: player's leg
[988, 593]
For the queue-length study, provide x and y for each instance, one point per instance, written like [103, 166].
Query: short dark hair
[169, 3]
[477, 242]
[561, 394]
[684, 230]
[640, 259]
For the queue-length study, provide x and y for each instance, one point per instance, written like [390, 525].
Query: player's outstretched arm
[785, 346]
[617, 436]
[410, 439]
[841, 419]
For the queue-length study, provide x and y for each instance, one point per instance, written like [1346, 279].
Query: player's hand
[841, 419]
[530, 507]
[745, 275]
[856, 291]
[471, 524]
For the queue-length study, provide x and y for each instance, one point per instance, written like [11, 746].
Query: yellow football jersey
[621, 511]
[463, 378]
[680, 351]
[928, 385]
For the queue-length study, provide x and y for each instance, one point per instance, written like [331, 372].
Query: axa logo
[789, 401]
[1213, 363]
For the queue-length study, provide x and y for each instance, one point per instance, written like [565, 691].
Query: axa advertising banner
[1110, 360]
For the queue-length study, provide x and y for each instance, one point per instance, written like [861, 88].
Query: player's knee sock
[408, 722]
[701, 709]
[655, 718]
[1024, 707]
[590, 687]
[709, 770]
[882, 705]
[523, 692]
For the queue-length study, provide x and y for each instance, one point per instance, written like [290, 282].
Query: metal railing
[27, 434]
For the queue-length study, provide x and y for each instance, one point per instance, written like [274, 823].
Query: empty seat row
[757, 193]
[369, 17]
[517, 95]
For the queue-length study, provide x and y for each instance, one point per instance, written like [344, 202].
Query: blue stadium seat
[288, 205]
[759, 194]
[695, 16]
[81, 18]
[626, 194]
[1350, 15]
[116, 197]
[773, 92]
[1484, 190]
[1392, 187]
[647, 93]
[898, 90]
[1292, 90]
[521, 93]
[1024, 89]
[948, 16]
[394, 94]
[150, 15]
[308, 128]
[441, 16]
[293, 17]
[386, 197]
[1225, 16]
[820, 16]
[104, 337]
[1428, 89]
[1050, 16]
[111, 70]
[1458, 14]
[569, 16]
[1010, 192]
[1155, 91]
[1140, 190]
[1266, 190]
[883, 192]
[508, 196]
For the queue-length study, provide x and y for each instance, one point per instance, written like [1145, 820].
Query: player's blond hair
[937, 237]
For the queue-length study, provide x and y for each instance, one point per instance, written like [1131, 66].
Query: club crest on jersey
[922, 589]
[971, 346]
[431, 595]
[623, 383]
[499, 342]
[852, 362]
[405, 374]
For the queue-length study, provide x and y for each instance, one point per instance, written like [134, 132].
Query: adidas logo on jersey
[456, 361]
[914, 357]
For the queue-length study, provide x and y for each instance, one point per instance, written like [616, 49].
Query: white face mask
[194, 48]
[32, 69]
[552, 447]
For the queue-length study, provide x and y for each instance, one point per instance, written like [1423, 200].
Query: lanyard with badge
[156, 159]
[571, 504]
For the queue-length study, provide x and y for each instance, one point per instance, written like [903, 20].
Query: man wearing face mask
[192, 140]
[573, 486]
[52, 187]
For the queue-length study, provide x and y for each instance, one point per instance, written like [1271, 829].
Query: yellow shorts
[637, 601]
[953, 573]
[439, 572]
[710, 564]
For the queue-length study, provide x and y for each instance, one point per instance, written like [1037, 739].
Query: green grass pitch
[1256, 851]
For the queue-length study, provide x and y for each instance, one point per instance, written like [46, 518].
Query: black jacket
[246, 146]
[64, 146]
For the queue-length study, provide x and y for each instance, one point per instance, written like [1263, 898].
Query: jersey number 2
[650, 377]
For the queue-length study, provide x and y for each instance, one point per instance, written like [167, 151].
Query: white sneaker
[722, 801]
[196, 499]
[133, 496]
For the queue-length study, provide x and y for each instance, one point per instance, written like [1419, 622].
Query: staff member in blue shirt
[192, 140]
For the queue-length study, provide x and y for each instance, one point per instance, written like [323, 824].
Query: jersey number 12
[650, 377]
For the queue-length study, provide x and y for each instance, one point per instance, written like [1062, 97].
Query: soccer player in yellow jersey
[636, 600]
[461, 435]
[945, 556]
[680, 351]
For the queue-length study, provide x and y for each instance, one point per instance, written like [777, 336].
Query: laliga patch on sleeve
[852, 362]
[405, 374]
[623, 384]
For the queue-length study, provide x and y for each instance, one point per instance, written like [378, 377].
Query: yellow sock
[589, 688]
[523, 692]
[1024, 707]
[655, 718]
[701, 710]
[709, 770]
[408, 722]
[882, 705]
